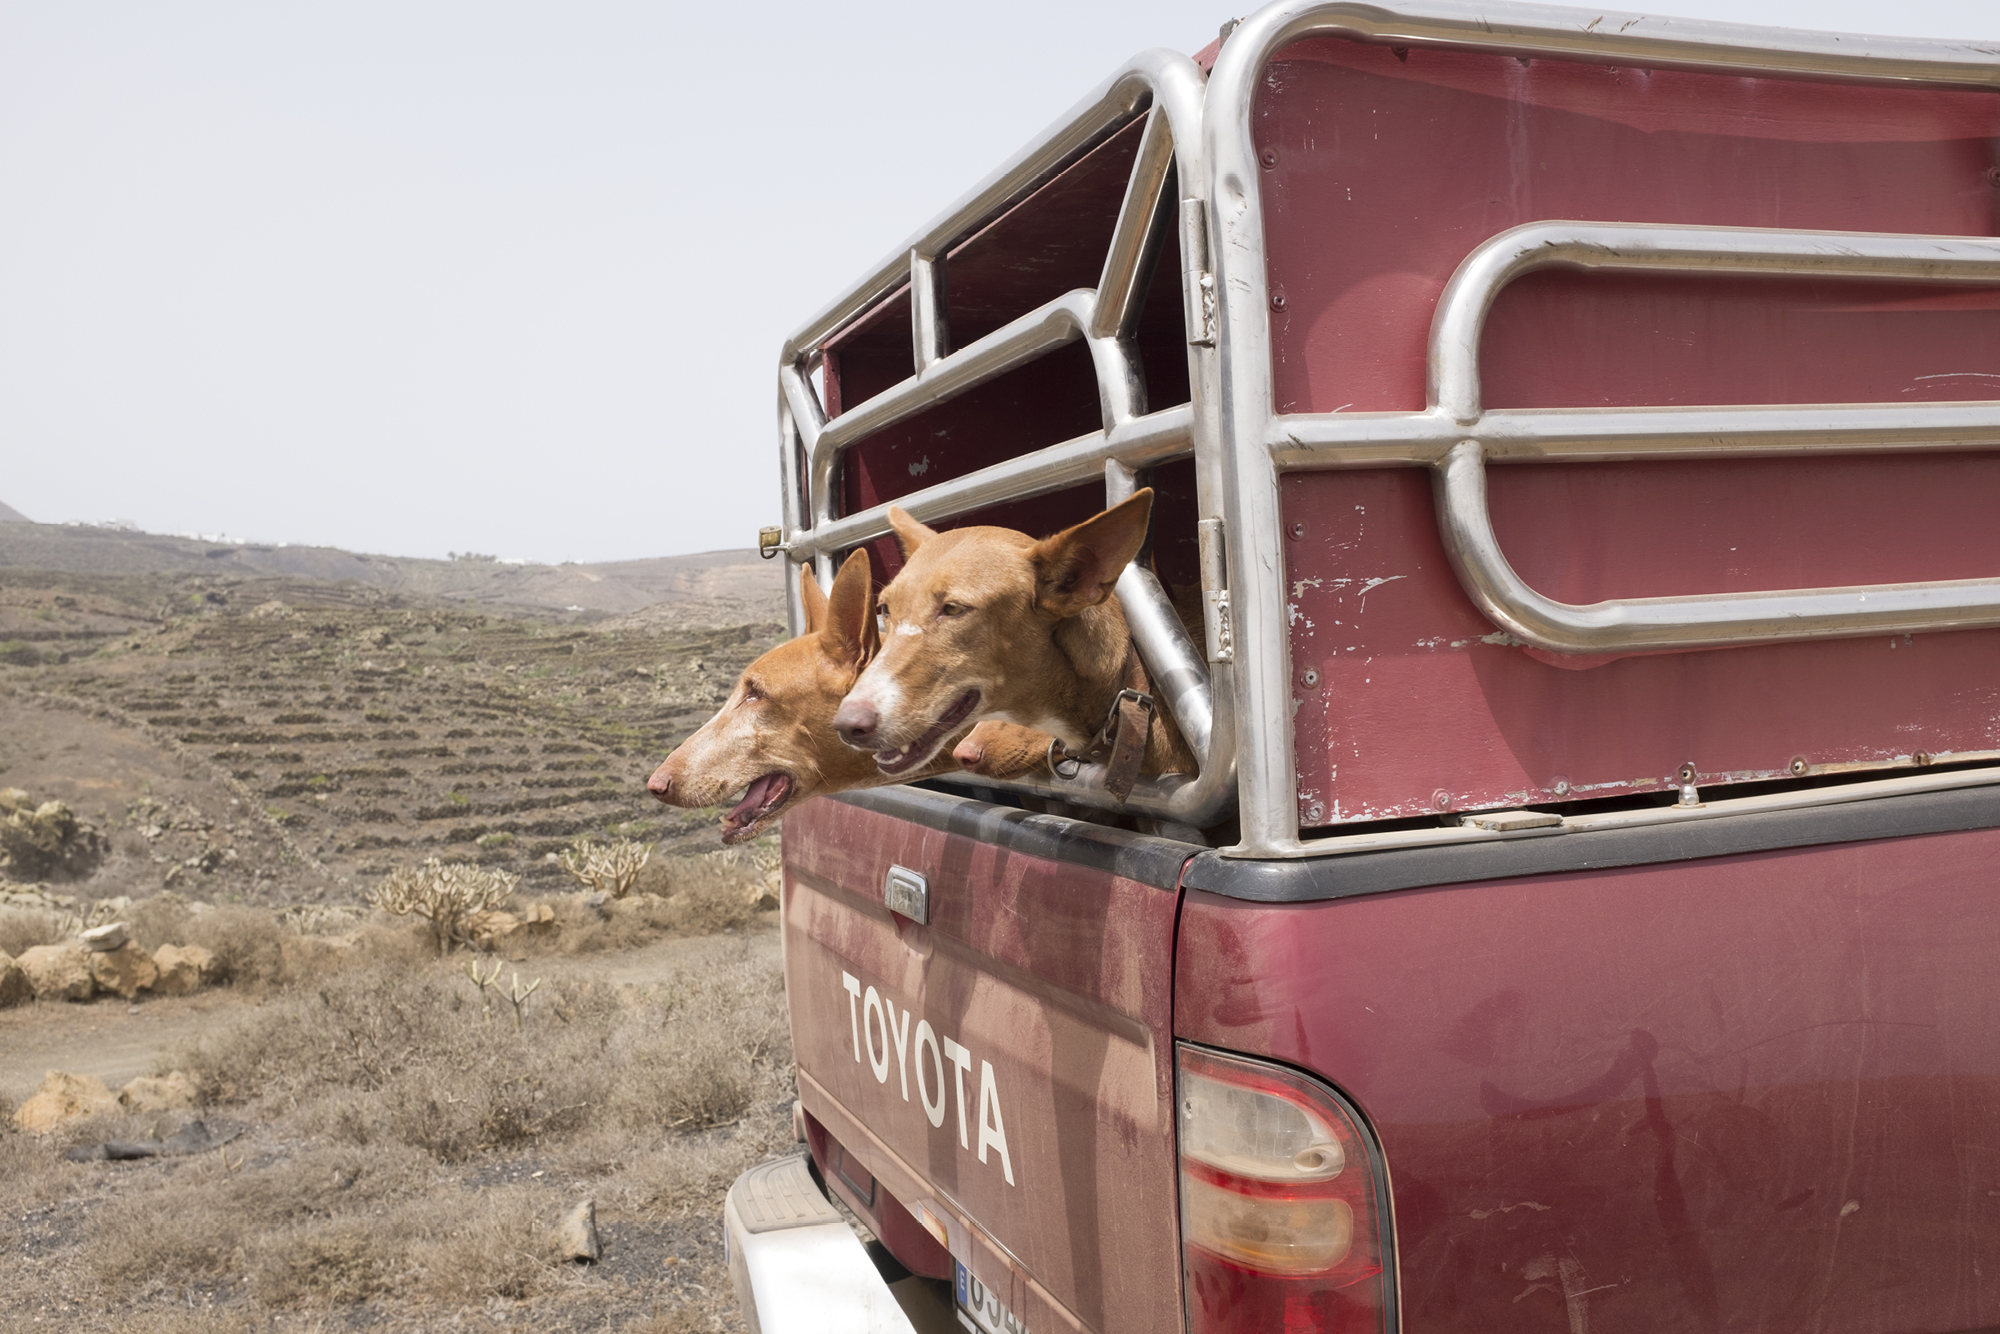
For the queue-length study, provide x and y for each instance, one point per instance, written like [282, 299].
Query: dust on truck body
[1581, 429]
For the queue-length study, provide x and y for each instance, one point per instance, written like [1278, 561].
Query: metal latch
[770, 541]
[908, 893]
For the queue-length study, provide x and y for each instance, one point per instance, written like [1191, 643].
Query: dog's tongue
[765, 793]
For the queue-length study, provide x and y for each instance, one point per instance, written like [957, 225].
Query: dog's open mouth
[918, 751]
[765, 795]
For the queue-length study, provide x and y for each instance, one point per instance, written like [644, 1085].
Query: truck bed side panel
[1382, 170]
[1758, 1092]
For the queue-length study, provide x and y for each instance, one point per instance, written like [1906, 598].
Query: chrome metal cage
[1240, 444]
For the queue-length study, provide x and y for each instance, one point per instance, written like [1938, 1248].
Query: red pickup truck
[1582, 431]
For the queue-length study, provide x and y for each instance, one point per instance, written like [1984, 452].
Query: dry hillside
[241, 724]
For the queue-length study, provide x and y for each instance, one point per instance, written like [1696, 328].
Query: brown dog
[773, 741]
[987, 624]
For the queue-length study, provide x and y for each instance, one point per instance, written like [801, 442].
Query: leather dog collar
[1120, 744]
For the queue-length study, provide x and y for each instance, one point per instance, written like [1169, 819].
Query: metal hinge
[1197, 282]
[1215, 619]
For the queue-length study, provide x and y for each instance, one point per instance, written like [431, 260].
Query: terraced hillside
[280, 738]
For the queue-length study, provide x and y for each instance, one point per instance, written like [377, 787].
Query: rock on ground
[63, 1097]
[58, 972]
[107, 937]
[577, 1235]
[15, 988]
[181, 968]
[168, 1093]
[127, 970]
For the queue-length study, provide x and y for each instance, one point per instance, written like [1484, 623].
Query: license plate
[979, 1310]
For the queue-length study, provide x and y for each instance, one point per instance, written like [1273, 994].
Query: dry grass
[396, 1123]
[383, 1056]
[331, 1226]
[408, 1153]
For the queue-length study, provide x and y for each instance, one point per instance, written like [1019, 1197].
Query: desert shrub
[703, 1049]
[355, 1031]
[324, 1227]
[412, 1061]
[455, 1109]
[35, 1174]
[164, 919]
[46, 841]
[505, 1249]
[715, 894]
[248, 944]
[609, 868]
[336, 1263]
[445, 894]
[186, 1236]
[582, 928]
[24, 928]
[402, 947]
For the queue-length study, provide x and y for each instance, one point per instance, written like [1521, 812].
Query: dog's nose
[969, 754]
[661, 784]
[856, 722]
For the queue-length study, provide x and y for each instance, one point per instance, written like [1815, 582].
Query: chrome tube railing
[1713, 619]
[1140, 442]
[1599, 435]
[1131, 438]
[1654, 248]
[1167, 80]
[1466, 525]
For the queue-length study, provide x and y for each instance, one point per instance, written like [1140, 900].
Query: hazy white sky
[419, 276]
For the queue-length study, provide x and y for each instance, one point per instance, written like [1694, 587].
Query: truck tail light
[1284, 1203]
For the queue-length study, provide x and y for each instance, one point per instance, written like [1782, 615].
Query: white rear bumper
[798, 1268]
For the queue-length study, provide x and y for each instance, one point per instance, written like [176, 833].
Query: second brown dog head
[772, 741]
[989, 624]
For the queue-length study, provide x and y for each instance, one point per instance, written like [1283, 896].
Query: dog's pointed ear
[1077, 567]
[814, 600]
[848, 634]
[909, 533]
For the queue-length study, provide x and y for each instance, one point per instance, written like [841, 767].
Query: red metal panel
[1381, 173]
[1759, 1093]
[1056, 980]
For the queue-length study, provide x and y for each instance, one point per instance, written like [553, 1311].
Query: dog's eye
[953, 609]
[751, 694]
